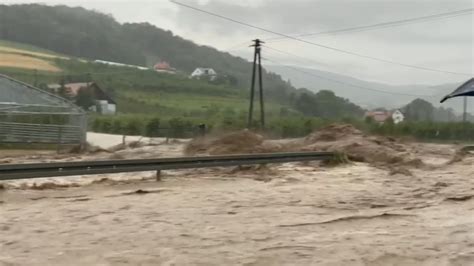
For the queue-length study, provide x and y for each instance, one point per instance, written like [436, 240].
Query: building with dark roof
[102, 102]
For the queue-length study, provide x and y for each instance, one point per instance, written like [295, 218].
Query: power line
[317, 44]
[291, 54]
[305, 58]
[387, 24]
[345, 83]
[237, 46]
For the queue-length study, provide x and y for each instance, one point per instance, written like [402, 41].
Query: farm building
[382, 116]
[164, 67]
[202, 72]
[100, 101]
[29, 115]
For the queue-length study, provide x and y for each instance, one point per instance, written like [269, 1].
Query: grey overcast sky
[445, 44]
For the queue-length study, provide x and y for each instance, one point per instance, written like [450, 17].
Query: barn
[29, 115]
[104, 104]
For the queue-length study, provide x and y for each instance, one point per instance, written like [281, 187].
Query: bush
[179, 128]
[133, 127]
[106, 126]
[426, 130]
[280, 127]
[117, 126]
[152, 127]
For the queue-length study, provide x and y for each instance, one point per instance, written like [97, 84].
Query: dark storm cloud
[442, 44]
[307, 16]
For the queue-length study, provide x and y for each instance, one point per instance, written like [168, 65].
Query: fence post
[83, 128]
[60, 132]
[202, 129]
[9, 134]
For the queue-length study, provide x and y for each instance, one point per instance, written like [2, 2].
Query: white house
[204, 72]
[397, 117]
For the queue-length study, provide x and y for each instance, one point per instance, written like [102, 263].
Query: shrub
[152, 127]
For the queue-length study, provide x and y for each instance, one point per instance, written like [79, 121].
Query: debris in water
[243, 141]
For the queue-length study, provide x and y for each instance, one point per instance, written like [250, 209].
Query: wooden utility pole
[257, 62]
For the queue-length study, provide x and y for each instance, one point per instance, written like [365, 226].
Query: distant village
[102, 102]
[383, 116]
[165, 67]
[105, 105]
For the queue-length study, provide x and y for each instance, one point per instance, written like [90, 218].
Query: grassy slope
[136, 91]
[20, 57]
[16, 60]
[26, 48]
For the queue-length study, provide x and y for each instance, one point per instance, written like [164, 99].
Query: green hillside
[25, 48]
[146, 92]
[43, 35]
[43, 44]
[88, 34]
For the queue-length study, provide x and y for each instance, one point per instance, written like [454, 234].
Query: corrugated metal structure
[32, 115]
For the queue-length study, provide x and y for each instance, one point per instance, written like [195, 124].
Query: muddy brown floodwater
[289, 214]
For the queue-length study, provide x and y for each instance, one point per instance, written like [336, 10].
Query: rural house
[397, 117]
[382, 116]
[164, 67]
[102, 102]
[202, 72]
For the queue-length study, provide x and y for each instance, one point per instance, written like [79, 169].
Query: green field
[137, 91]
[27, 49]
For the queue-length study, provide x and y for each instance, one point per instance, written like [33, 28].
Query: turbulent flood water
[291, 214]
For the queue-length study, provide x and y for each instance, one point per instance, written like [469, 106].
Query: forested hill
[93, 35]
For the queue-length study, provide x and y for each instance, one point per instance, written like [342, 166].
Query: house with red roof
[164, 67]
[382, 116]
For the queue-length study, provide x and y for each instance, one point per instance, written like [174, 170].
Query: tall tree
[419, 110]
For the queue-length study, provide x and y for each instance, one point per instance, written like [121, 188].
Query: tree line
[278, 127]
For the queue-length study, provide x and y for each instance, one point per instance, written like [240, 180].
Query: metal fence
[29, 115]
[40, 133]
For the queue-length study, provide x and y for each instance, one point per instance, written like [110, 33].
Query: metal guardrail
[38, 170]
